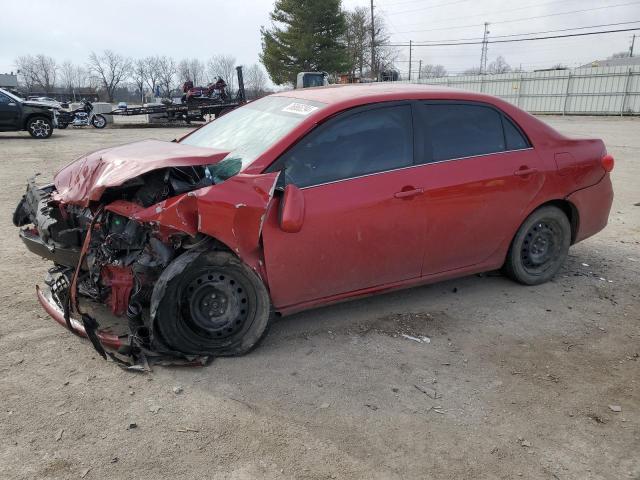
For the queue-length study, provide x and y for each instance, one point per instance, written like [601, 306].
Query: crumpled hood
[86, 179]
[33, 103]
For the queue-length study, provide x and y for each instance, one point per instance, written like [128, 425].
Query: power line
[535, 33]
[514, 39]
[445, 4]
[524, 18]
[484, 14]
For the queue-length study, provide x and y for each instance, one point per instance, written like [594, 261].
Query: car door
[363, 222]
[9, 112]
[480, 175]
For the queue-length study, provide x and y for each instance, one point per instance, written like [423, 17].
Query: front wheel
[40, 127]
[99, 121]
[540, 247]
[210, 303]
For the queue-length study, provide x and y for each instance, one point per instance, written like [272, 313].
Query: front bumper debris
[107, 339]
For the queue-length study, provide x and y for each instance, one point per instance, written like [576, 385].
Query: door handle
[525, 171]
[408, 193]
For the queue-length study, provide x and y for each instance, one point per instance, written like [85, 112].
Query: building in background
[8, 81]
[614, 62]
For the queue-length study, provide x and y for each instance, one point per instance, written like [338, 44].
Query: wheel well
[570, 211]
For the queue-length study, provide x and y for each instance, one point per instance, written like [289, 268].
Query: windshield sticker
[299, 108]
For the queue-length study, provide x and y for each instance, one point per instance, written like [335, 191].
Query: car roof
[363, 93]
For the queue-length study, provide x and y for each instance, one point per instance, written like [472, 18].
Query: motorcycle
[81, 117]
[214, 91]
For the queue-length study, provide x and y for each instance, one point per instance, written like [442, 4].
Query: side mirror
[291, 209]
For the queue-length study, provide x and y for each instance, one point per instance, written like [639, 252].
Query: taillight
[607, 163]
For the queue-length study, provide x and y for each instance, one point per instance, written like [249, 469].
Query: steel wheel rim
[40, 128]
[541, 246]
[215, 304]
[99, 121]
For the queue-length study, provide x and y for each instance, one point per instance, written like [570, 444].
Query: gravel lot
[524, 377]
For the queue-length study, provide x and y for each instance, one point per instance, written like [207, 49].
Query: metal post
[419, 69]
[373, 43]
[485, 48]
[633, 41]
[566, 95]
[519, 90]
[626, 91]
[410, 47]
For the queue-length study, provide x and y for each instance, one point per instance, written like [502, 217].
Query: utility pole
[410, 50]
[633, 41]
[485, 45]
[419, 69]
[373, 43]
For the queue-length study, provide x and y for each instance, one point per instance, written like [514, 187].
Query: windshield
[10, 95]
[248, 131]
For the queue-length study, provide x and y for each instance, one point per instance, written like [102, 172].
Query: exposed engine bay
[113, 251]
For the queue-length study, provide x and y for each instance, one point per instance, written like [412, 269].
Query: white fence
[582, 91]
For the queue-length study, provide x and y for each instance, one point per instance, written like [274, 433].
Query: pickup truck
[17, 114]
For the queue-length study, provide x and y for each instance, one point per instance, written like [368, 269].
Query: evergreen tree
[306, 36]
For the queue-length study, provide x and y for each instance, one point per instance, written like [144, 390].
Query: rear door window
[463, 130]
[513, 136]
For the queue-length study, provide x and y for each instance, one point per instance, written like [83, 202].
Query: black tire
[39, 127]
[99, 121]
[210, 303]
[540, 247]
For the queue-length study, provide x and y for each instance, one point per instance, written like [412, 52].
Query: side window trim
[277, 164]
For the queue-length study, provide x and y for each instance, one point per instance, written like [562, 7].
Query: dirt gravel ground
[524, 377]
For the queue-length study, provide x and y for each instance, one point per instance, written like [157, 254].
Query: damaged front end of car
[114, 221]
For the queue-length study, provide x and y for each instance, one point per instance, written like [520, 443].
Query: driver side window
[4, 99]
[352, 145]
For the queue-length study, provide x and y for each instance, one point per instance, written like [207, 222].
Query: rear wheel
[39, 127]
[213, 305]
[540, 247]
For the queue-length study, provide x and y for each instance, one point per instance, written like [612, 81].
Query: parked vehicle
[82, 116]
[312, 79]
[216, 91]
[17, 114]
[306, 198]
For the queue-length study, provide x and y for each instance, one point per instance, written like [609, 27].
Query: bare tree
[433, 71]
[139, 75]
[223, 66]
[384, 56]
[624, 54]
[111, 69]
[358, 39]
[255, 81]
[166, 74]
[472, 71]
[191, 69]
[152, 69]
[499, 65]
[37, 71]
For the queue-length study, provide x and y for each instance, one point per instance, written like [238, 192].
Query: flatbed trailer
[185, 111]
[192, 109]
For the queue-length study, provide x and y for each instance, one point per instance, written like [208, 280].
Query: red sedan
[305, 198]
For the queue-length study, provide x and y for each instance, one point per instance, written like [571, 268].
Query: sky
[71, 29]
